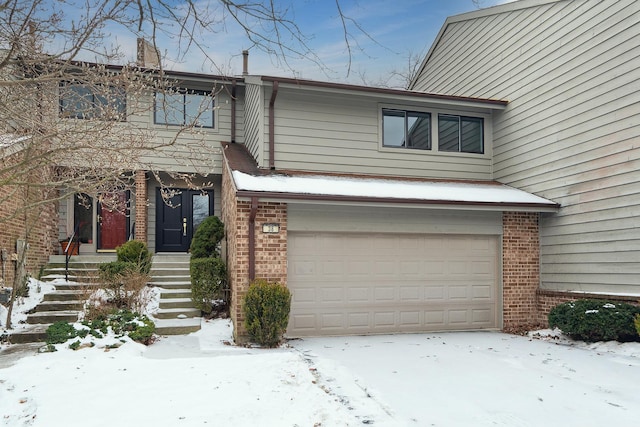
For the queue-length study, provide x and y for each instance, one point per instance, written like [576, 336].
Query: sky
[385, 36]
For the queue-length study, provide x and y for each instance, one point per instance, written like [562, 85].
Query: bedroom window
[460, 134]
[83, 101]
[184, 108]
[406, 129]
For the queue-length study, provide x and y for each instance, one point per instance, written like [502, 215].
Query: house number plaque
[270, 228]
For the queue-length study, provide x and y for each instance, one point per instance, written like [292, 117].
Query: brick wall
[24, 213]
[520, 268]
[270, 249]
[141, 206]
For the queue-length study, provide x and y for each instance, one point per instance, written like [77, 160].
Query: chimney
[148, 56]
[245, 62]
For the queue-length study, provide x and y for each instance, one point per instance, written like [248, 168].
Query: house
[569, 133]
[502, 182]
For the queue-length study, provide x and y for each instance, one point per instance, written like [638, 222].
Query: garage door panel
[358, 284]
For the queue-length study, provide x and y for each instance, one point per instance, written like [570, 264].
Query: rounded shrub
[135, 252]
[266, 310]
[207, 238]
[637, 322]
[596, 320]
[208, 282]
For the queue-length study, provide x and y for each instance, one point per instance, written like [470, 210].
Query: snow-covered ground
[37, 290]
[445, 379]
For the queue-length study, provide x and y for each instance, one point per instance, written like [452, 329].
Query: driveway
[482, 378]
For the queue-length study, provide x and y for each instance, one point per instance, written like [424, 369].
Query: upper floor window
[82, 101]
[409, 129]
[460, 134]
[190, 108]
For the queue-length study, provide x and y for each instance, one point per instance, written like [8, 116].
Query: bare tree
[69, 127]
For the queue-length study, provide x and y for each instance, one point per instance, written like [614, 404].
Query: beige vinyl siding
[333, 133]
[570, 133]
[254, 125]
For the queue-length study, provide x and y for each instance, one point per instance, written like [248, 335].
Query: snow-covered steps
[43, 317]
[176, 313]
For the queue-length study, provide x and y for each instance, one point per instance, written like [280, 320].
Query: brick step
[173, 313]
[45, 306]
[52, 317]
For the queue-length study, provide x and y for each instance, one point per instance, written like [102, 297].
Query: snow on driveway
[485, 378]
[452, 379]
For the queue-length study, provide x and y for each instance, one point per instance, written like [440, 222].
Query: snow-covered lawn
[447, 379]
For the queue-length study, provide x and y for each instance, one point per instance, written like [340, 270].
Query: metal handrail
[67, 253]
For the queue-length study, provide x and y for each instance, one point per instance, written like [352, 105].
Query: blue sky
[394, 31]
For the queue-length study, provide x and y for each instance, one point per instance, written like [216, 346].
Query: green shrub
[60, 332]
[207, 238]
[135, 252]
[637, 322]
[266, 310]
[596, 320]
[113, 271]
[208, 282]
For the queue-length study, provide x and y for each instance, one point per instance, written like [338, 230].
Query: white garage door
[356, 283]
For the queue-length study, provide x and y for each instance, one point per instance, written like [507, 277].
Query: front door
[177, 220]
[112, 221]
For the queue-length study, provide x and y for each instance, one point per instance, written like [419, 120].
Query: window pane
[77, 100]
[110, 102]
[170, 108]
[82, 217]
[393, 128]
[448, 133]
[200, 209]
[419, 130]
[471, 135]
[199, 109]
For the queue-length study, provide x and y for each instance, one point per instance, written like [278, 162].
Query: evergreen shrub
[596, 320]
[207, 237]
[135, 252]
[266, 309]
[208, 283]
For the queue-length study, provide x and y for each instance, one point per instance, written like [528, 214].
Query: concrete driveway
[481, 378]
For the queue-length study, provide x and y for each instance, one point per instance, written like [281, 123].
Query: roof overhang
[372, 191]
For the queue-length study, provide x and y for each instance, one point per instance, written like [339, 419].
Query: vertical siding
[570, 134]
[326, 132]
[253, 123]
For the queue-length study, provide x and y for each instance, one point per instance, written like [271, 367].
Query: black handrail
[67, 252]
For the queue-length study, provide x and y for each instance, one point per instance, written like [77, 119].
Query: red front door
[112, 221]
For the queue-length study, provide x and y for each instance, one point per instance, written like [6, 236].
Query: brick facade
[270, 249]
[25, 213]
[142, 202]
[520, 268]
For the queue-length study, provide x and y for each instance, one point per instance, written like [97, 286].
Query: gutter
[233, 111]
[272, 101]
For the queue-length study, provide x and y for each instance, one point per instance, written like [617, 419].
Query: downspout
[252, 238]
[272, 101]
[233, 111]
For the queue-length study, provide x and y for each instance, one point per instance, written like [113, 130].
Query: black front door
[177, 220]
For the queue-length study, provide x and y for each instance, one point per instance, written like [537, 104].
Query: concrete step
[28, 334]
[52, 317]
[175, 303]
[165, 265]
[45, 306]
[173, 313]
[177, 326]
[172, 271]
[65, 295]
[76, 286]
[175, 293]
[172, 285]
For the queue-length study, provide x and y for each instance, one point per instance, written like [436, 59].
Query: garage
[375, 276]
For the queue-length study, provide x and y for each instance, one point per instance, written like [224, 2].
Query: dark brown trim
[272, 133]
[388, 200]
[380, 90]
[252, 238]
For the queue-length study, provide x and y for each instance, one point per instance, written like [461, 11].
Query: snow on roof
[8, 139]
[454, 192]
